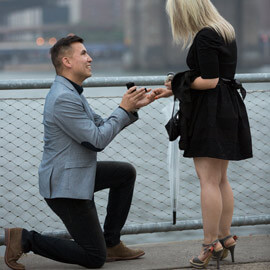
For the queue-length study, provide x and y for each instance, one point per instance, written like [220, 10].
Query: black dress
[220, 126]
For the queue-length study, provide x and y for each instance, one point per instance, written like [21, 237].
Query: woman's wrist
[170, 92]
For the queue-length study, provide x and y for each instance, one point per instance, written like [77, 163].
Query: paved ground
[251, 253]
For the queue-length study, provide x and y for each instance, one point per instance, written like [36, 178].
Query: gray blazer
[73, 134]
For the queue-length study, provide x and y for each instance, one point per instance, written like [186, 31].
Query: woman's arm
[203, 84]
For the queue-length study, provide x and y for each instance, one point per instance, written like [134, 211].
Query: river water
[118, 91]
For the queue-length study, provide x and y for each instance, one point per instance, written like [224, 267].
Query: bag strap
[174, 101]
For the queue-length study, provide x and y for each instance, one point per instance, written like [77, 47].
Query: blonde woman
[220, 128]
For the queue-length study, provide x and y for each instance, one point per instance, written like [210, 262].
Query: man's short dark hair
[61, 46]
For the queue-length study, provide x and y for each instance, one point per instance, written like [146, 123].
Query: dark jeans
[81, 220]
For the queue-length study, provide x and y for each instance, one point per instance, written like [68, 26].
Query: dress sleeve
[208, 43]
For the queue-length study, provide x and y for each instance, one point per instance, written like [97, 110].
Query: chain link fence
[144, 144]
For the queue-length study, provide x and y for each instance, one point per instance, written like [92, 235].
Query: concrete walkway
[251, 253]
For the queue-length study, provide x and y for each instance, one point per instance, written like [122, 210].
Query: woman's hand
[168, 85]
[161, 93]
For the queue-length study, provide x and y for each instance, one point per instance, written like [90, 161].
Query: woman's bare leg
[227, 202]
[209, 171]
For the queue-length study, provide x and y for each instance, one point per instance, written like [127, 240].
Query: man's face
[80, 61]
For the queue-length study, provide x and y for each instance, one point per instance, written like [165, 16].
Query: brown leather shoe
[13, 242]
[122, 252]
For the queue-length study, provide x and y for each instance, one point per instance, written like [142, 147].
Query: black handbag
[173, 125]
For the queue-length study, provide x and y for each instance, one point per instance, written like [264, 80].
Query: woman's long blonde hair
[188, 17]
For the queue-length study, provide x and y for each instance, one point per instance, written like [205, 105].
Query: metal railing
[144, 144]
[117, 81]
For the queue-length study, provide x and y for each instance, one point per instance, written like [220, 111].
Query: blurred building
[58, 16]
[140, 26]
[148, 34]
[29, 28]
[97, 13]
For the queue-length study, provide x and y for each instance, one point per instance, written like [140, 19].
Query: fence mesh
[144, 144]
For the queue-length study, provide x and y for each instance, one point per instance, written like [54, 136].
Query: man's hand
[146, 99]
[133, 100]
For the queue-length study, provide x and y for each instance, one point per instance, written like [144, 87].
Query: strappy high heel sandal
[228, 248]
[208, 251]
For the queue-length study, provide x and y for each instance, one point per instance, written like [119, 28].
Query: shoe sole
[197, 266]
[7, 242]
[113, 259]
[200, 266]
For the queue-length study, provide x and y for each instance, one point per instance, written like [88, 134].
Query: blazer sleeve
[96, 133]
